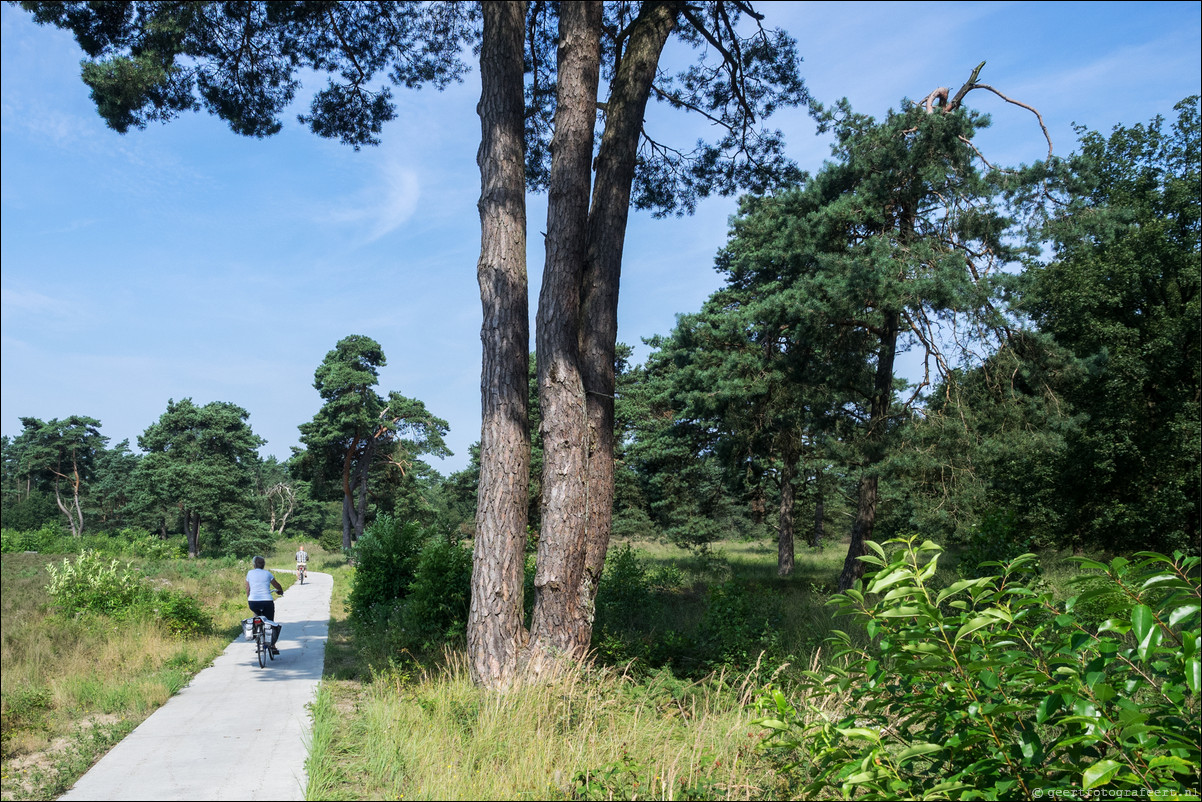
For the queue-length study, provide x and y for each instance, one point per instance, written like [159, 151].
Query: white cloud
[382, 206]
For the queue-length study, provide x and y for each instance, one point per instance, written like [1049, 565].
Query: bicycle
[300, 573]
[262, 640]
[258, 629]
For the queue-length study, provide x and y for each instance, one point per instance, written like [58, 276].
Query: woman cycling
[259, 582]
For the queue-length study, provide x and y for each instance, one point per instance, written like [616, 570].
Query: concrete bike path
[237, 731]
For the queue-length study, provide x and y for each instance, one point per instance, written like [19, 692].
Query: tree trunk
[759, 503]
[615, 166]
[861, 531]
[819, 513]
[495, 635]
[192, 532]
[58, 499]
[347, 521]
[882, 399]
[361, 504]
[75, 485]
[784, 537]
[348, 517]
[561, 546]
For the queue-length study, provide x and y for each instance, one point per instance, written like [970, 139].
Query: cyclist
[259, 582]
[302, 559]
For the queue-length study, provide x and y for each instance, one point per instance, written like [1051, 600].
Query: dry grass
[592, 731]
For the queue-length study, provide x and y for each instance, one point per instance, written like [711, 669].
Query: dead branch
[948, 106]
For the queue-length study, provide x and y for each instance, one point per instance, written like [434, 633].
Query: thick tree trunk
[784, 537]
[615, 166]
[861, 531]
[495, 635]
[882, 399]
[561, 546]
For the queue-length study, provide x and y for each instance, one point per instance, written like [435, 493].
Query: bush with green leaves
[44, 540]
[436, 605]
[741, 623]
[990, 688]
[624, 593]
[89, 584]
[385, 559]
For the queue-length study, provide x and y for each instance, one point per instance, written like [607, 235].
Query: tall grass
[592, 732]
[404, 727]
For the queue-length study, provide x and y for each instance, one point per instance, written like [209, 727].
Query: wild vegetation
[1058, 311]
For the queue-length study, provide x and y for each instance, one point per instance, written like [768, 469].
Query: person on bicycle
[302, 559]
[259, 582]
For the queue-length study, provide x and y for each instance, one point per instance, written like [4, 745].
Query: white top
[260, 584]
[302, 557]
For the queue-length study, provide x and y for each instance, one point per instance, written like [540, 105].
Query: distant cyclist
[259, 582]
[302, 560]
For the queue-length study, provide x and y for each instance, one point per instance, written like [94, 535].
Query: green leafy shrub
[990, 689]
[181, 613]
[46, 540]
[154, 547]
[625, 592]
[996, 538]
[436, 606]
[89, 584]
[25, 707]
[244, 540]
[740, 624]
[330, 540]
[386, 559]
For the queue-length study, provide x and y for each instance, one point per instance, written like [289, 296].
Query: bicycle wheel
[261, 649]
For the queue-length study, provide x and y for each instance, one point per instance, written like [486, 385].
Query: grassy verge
[73, 687]
[643, 720]
[401, 726]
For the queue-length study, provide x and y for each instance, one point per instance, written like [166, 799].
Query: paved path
[236, 731]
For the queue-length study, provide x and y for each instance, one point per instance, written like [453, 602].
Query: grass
[665, 710]
[400, 726]
[71, 688]
[593, 732]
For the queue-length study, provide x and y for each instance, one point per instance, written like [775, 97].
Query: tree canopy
[357, 431]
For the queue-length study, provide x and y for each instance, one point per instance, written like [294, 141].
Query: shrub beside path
[237, 731]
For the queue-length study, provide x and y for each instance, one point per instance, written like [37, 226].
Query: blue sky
[184, 261]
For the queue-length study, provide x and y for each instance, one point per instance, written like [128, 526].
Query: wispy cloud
[32, 303]
[383, 205]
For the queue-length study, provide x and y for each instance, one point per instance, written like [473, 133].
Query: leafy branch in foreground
[990, 688]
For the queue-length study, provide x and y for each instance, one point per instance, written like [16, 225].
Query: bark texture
[495, 632]
[566, 497]
[615, 167]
